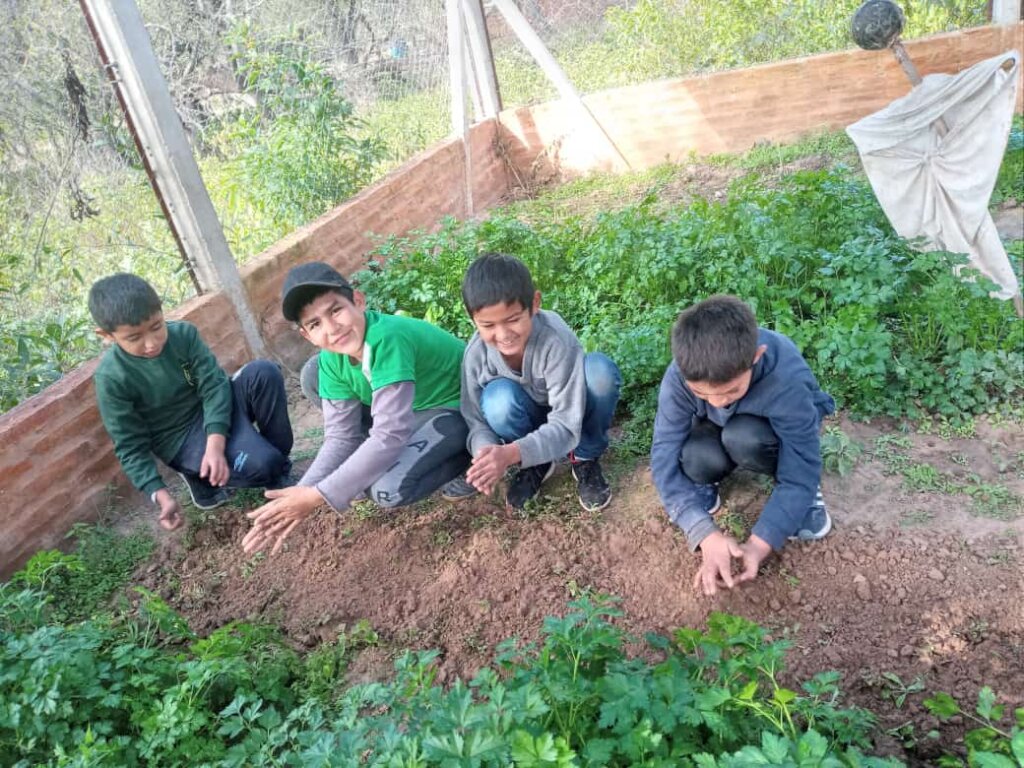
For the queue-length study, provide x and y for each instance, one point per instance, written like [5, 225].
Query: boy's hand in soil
[755, 551]
[170, 511]
[489, 466]
[274, 521]
[214, 467]
[717, 553]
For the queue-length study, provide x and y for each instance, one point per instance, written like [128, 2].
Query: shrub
[887, 329]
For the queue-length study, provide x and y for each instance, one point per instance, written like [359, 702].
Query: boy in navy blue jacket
[738, 396]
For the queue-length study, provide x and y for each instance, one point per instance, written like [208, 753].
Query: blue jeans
[511, 413]
[260, 437]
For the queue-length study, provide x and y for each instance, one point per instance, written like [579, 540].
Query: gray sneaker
[457, 489]
[816, 523]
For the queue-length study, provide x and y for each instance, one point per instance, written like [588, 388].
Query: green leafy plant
[81, 584]
[990, 744]
[839, 453]
[299, 151]
[144, 689]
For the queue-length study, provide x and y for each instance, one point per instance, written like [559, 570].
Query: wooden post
[456, 66]
[127, 54]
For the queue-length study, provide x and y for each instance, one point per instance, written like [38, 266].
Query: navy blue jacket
[782, 390]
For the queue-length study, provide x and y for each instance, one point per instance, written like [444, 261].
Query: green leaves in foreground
[990, 744]
[143, 690]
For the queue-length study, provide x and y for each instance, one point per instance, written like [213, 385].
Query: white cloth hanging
[938, 188]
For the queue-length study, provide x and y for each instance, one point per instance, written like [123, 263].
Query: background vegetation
[292, 107]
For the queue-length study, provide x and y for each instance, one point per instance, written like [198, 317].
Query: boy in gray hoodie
[530, 395]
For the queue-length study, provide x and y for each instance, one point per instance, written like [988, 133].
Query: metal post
[483, 59]
[456, 66]
[551, 68]
[1006, 11]
[127, 53]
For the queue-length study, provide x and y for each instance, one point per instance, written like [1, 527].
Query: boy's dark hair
[122, 299]
[495, 278]
[715, 340]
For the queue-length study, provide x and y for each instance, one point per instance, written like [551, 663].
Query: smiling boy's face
[147, 339]
[335, 323]
[507, 326]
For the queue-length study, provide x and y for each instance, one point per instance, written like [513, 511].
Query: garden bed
[919, 580]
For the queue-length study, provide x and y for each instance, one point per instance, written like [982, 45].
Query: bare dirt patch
[913, 583]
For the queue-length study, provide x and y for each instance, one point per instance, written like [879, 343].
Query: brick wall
[731, 111]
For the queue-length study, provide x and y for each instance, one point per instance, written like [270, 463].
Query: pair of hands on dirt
[489, 466]
[717, 554]
[274, 521]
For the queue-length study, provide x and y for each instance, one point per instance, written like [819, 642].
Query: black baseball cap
[302, 281]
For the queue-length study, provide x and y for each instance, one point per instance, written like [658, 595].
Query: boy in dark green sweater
[161, 392]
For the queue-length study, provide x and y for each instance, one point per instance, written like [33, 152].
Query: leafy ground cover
[888, 330]
[142, 689]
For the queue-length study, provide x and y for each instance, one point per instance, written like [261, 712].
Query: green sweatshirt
[149, 404]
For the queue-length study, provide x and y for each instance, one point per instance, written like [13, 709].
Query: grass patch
[82, 583]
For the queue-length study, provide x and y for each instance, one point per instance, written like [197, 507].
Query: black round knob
[877, 23]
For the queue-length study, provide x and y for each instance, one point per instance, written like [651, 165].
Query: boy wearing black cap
[389, 391]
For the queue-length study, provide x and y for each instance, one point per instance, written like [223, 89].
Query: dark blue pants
[260, 437]
[745, 442]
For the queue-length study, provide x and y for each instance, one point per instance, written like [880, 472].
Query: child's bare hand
[214, 467]
[170, 511]
[755, 551]
[489, 466]
[273, 522]
[715, 572]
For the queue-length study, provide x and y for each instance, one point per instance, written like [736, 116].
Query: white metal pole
[127, 51]
[551, 68]
[456, 66]
[483, 60]
[1006, 11]
[457, 57]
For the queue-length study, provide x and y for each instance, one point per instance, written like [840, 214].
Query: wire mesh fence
[291, 107]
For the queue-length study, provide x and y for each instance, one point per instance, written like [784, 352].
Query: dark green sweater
[149, 404]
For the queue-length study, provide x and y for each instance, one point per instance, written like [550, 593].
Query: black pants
[745, 442]
[260, 437]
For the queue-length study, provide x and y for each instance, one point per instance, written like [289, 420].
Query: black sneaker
[526, 483]
[594, 491]
[457, 489]
[204, 495]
